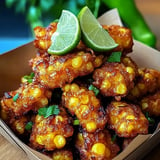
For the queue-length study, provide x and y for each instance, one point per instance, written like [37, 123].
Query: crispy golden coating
[43, 36]
[114, 79]
[62, 154]
[52, 132]
[27, 97]
[151, 104]
[148, 81]
[96, 146]
[127, 120]
[54, 71]
[122, 36]
[84, 104]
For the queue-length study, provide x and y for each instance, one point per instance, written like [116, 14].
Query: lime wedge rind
[93, 33]
[67, 35]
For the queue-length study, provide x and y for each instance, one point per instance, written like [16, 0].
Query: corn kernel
[144, 106]
[122, 127]
[130, 128]
[130, 117]
[141, 86]
[67, 87]
[59, 141]
[91, 126]
[135, 91]
[89, 66]
[98, 61]
[74, 87]
[58, 118]
[106, 84]
[39, 139]
[83, 108]
[19, 127]
[99, 148]
[95, 102]
[148, 76]
[77, 62]
[50, 68]
[36, 92]
[130, 70]
[44, 101]
[121, 89]
[42, 44]
[73, 102]
[84, 99]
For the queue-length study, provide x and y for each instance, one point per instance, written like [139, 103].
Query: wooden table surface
[151, 12]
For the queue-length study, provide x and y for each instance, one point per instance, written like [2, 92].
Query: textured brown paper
[14, 64]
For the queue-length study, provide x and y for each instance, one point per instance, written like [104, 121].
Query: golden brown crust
[52, 132]
[96, 146]
[147, 81]
[84, 104]
[55, 71]
[127, 120]
[151, 104]
[122, 36]
[114, 79]
[27, 97]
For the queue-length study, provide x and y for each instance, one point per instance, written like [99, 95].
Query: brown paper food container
[14, 65]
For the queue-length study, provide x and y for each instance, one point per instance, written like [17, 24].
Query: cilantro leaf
[94, 89]
[115, 57]
[76, 122]
[48, 111]
[29, 125]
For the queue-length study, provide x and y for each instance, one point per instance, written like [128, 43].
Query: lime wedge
[93, 34]
[67, 35]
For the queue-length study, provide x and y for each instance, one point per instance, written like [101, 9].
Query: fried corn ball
[27, 97]
[147, 81]
[96, 146]
[122, 36]
[43, 36]
[151, 104]
[84, 104]
[114, 79]
[51, 133]
[54, 71]
[62, 154]
[127, 120]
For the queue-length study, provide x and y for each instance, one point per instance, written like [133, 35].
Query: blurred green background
[19, 17]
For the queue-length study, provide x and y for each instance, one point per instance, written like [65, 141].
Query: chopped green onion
[94, 89]
[76, 122]
[48, 111]
[30, 77]
[114, 137]
[16, 97]
[115, 57]
[29, 125]
[151, 120]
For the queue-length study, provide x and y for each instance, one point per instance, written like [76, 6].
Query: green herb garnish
[115, 57]
[16, 97]
[48, 111]
[30, 77]
[76, 122]
[114, 137]
[29, 125]
[94, 89]
[151, 120]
